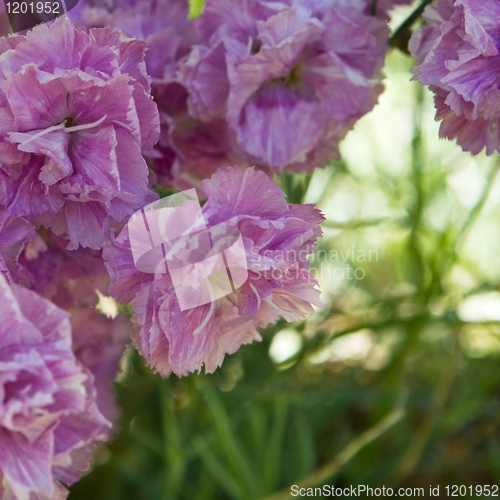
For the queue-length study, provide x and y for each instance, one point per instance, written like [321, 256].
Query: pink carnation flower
[70, 279]
[49, 420]
[458, 56]
[276, 236]
[75, 115]
[289, 79]
[66, 277]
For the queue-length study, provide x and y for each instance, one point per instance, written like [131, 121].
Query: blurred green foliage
[416, 339]
[195, 7]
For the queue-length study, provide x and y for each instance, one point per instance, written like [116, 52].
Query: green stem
[175, 462]
[442, 267]
[417, 209]
[402, 35]
[356, 224]
[475, 212]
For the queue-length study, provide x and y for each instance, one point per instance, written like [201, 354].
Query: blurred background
[394, 383]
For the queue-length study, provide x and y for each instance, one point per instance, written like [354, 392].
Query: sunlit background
[394, 383]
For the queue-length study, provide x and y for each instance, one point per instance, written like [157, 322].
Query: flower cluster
[75, 115]
[49, 420]
[457, 52]
[265, 84]
[77, 125]
[252, 82]
[276, 237]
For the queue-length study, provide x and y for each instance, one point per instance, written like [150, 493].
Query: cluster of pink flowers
[84, 111]
[76, 117]
[274, 85]
[77, 123]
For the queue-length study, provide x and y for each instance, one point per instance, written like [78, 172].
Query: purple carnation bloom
[276, 236]
[458, 56]
[71, 279]
[48, 417]
[290, 80]
[89, 12]
[75, 114]
[14, 233]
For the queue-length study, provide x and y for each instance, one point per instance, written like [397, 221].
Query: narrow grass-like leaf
[217, 469]
[235, 455]
[272, 467]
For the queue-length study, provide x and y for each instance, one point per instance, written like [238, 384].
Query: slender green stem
[417, 209]
[453, 243]
[356, 224]
[401, 36]
[175, 460]
[273, 458]
[218, 469]
[475, 212]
